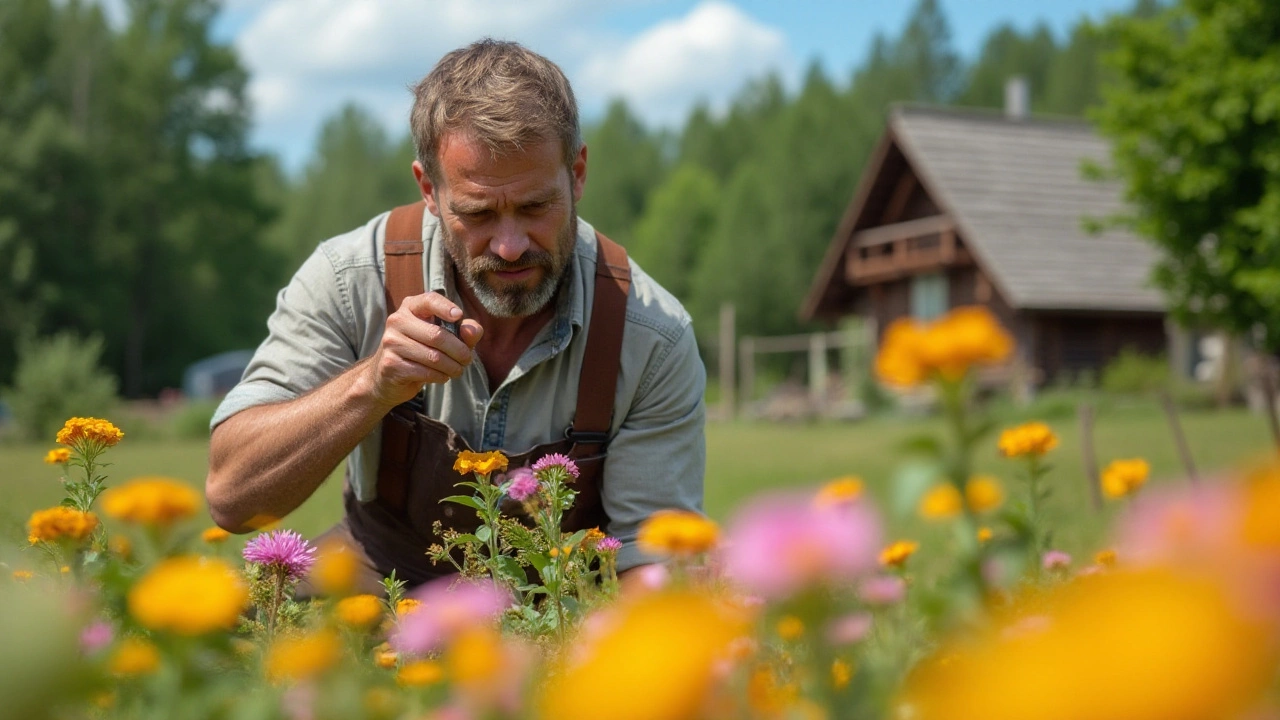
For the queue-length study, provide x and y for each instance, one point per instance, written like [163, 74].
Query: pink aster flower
[554, 459]
[448, 607]
[282, 550]
[1055, 560]
[781, 544]
[522, 484]
[881, 590]
[849, 629]
[96, 636]
[609, 544]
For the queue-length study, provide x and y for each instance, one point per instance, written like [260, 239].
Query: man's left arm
[658, 457]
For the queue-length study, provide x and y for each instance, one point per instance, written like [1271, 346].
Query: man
[556, 348]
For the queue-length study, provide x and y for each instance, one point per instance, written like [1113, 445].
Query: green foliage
[1194, 118]
[191, 421]
[624, 164]
[1133, 373]
[57, 378]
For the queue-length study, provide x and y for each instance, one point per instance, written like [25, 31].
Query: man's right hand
[414, 350]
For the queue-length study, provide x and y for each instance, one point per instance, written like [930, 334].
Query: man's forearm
[266, 460]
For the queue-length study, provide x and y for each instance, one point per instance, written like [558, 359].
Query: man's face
[508, 222]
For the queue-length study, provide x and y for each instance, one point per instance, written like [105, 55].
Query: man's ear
[579, 169]
[426, 187]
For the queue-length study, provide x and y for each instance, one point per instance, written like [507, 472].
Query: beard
[514, 299]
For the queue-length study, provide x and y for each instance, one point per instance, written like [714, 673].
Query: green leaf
[464, 538]
[538, 561]
[467, 500]
[483, 533]
[509, 567]
[927, 445]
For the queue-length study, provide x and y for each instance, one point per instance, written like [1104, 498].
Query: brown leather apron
[416, 467]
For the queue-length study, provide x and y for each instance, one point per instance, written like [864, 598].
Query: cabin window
[928, 296]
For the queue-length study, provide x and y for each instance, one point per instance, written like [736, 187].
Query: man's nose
[509, 241]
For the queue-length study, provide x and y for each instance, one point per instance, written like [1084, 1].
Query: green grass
[744, 459]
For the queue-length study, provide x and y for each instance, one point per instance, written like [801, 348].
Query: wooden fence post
[728, 352]
[1179, 438]
[747, 367]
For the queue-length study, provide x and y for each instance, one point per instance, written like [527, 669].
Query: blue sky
[308, 57]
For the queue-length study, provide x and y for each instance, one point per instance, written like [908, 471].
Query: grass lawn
[744, 459]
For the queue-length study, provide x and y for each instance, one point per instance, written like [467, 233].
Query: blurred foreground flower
[840, 491]
[60, 523]
[780, 545]
[189, 596]
[155, 501]
[913, 352]
[983, 493]
[135, 656]
[896, 555]
[652, 659]
[302, 657]
[1027, 440]
[1154, 645]
[451, 606]
[359, 611]
[941, 502]
[57, 456]
[677, 533]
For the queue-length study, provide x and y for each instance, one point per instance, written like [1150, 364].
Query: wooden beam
[901, 194]
[903, 230]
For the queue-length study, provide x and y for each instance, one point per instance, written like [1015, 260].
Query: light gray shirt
[333, 313]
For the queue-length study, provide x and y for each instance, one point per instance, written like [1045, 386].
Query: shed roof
[1016, 192]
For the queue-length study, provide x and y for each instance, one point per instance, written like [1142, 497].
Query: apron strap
[602, 358]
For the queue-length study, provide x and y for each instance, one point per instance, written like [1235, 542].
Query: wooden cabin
[960, 207]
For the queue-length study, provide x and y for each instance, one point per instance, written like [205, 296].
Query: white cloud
[705, 55]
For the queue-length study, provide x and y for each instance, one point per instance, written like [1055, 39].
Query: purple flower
[849, 629]
[522, 484]
[609, 544]
[554, 459]
[283, 550]
[1055, 560]
[883, 590]
[448, 608]
[97, 636]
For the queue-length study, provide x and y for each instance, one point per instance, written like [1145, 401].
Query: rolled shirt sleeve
[657, 458]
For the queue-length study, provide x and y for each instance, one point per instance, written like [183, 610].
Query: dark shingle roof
[1016, 191]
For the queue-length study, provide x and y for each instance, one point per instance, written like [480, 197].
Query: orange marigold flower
[985, 534]
[134, 657]
[302, 657]
[60, 523]
[593, 536]
[1105, 558]
[384, 657]
[189, 596]
[335, 569]
[57, 456]
[214, 535]
[841, 674]
[677, 532]
[840, 491]
[93, 431]
[983, 493]
[790, 627]
[420, 673]
[912, 351]
[1030, 439]
[941, 502]
[1124, 477]
[485, 463]
[407, 606]
[359, 611]
[23, 575]
[151, 501]
[120, 545]
[896, 554]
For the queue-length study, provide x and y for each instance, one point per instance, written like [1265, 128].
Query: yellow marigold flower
[189, 596]
[384, 657]
[151, 501]
[484, 463]
[790, 627]
[635, 658]
[476, 657]
[677, 532]
[214, 535]
[985, 534]
[294, 658]
[420, 674]
[1150, 645]
[593, 536]
[766, 695]
[60, 523]
[896, 554]
[1105, 558]
[1029, 439]
[941, 502]
[554, 552]
[334, 572]
[134, 657]
[408, 606]
[841, 674]
[1124, 477]
[912, 352]
[120, 545]
[57, 456]
[23, 575]
[983, 493]
[1261, 525]
[359, 610]
[93, 431]
[65, 569]
[840, 491]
